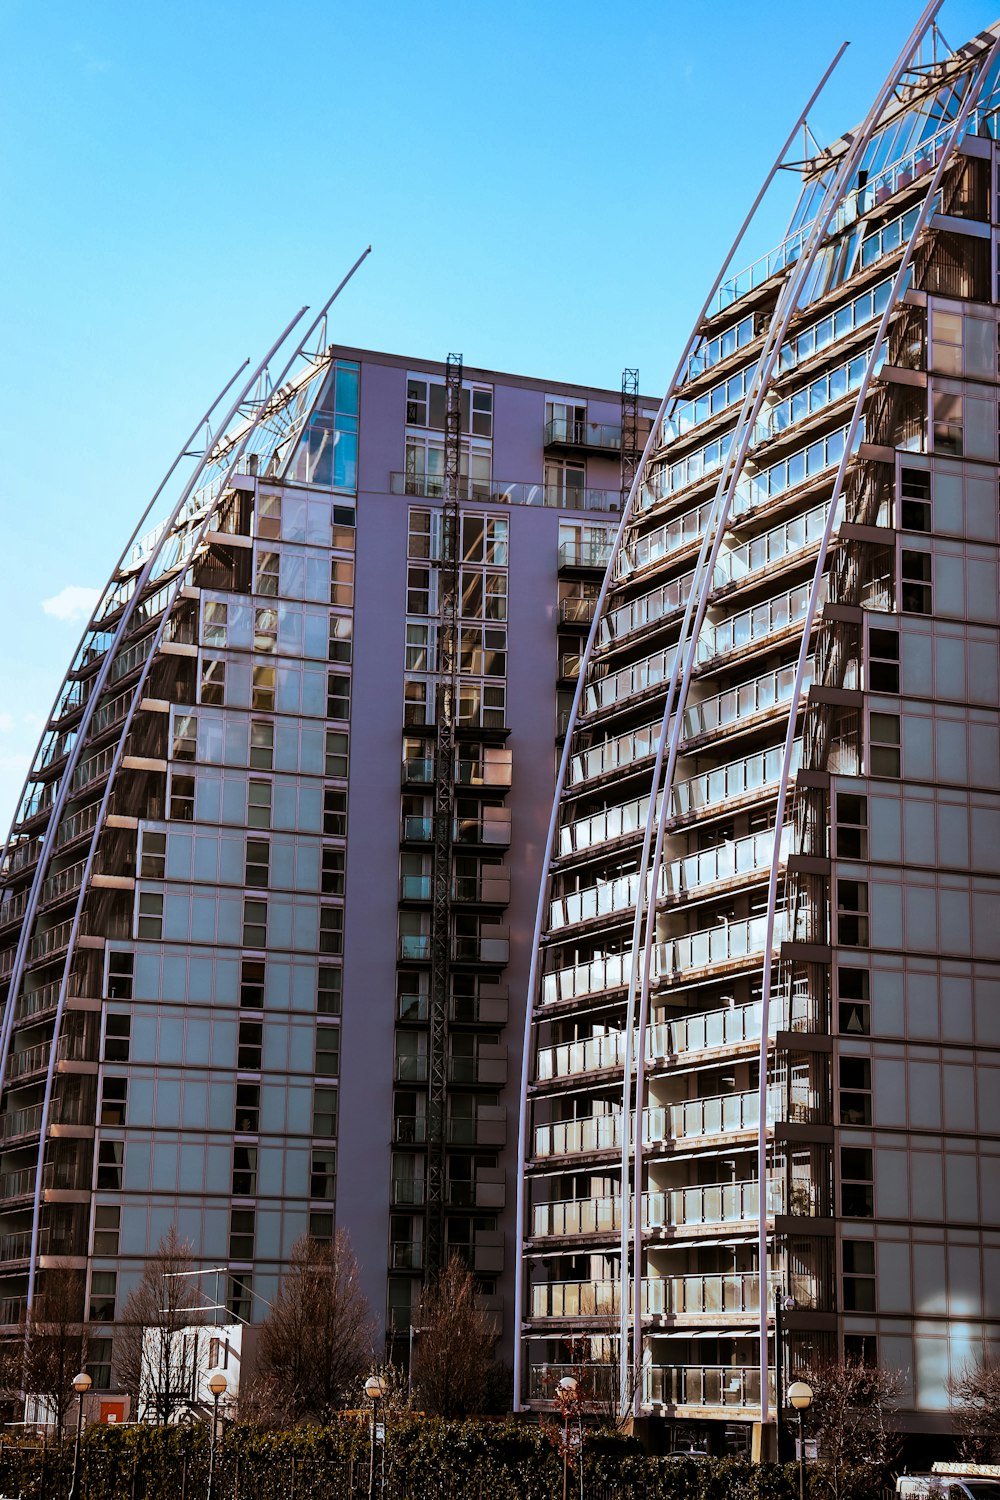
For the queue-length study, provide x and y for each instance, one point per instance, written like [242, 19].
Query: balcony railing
[662, 1296]
[804, 466]
[606, 973]
[577, 1216]
[647, 609]
[771, 547]
[724, 862]
[585, 554]
[730, 942]
[717, 1203]
[718, 1115]
[740, 285]
[745, 702]
[577, 611]
[640, 677]
[679, 532]
[730, 1387]
[752, 626]
[510, 492]
[571, 1137]
[605, 826]
[738, 778]
[567, 432]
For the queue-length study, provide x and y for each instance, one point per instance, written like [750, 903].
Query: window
[249, 1046]
[334, 813]
[331, 929]
[419, 587]
[269, 516]
[150, 923]
[482, 413]
[323, 1177]
[948, 424]
[423, 534]
[483, 651]
[855, 1091]
[103, 1290]
[857, 1193]
[261, 745]
[338, 696]
[244, 1171]
[852, 826]
[239, 1303]
[242, 1223]
[421, 647]
[258, 861]
[114, 1096]
[215, 626]
[107, 1226]
[343, 528]
[915, 499]
[483, 594]
[852, 913]
[262, 694]
[861, 1349]
[185, 740]
[154, 850]
[265, 629]
[119, 975]
[329, 988]
[917, 595]
[117, 1037]
[325, 1111]
[332, 880]
[341, 632]
[213, 680]
[181, 798]
[267, 573]
[247, 1108]
[342, 581]
[110, 1157]
[946, 342]
[565, 483]
[254, 924]
[259, 804]
[252, 984]
[327, 1051]
[859, 1275]
[854, 1006]
[415, 698]
[883, 661]
[336, 752]
[321, 1227]
[883, 745]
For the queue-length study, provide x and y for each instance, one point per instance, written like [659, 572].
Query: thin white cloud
[74, 602]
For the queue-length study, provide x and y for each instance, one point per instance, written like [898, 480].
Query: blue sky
[548, 188]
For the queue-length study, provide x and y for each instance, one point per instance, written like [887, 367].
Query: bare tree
[318, 1342]
[54, 1342]
[454, 1348]
[147, 1347]
[851, 1417]
[975, 1396]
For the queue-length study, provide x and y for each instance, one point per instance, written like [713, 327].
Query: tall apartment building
[760, 1112]
[263, 943]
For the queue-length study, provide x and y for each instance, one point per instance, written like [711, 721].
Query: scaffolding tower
[631, 451]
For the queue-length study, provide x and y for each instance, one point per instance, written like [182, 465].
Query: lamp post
[782, 1304]
[569, 1388]
[81, 1384]
[217, 1384]
[375, 1388]
[800, 1395]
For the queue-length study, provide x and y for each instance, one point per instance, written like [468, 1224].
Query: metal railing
[583, 434]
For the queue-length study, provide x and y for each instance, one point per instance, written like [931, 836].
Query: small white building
[176, 1365]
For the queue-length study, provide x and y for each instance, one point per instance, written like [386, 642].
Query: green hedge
[425, 1459]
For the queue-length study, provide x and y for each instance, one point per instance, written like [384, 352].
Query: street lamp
[782, 1304]
[217, 1384]
[81, 1384]
[375, 1389]
[569, 1388]
[800, 1395]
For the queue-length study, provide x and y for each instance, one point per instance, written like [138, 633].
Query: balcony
[574, 1137]
[488, 1127]
[719, 1203]
[490, 888]
[408, 1192]
[806, 466]
[569, 666]
[736, 859]
[670, 479]
[610, 972]
[771, 549]
[572, 1059]
[659, 604]
[569, 434]
[411, 1067]
[493, 772]
[662, 1296]
[491, 826]
[32, 1060]
[491, 946]
[631, 681]
[419, 771]
[730, 945]
[614, 754]
[406, 1255]
[736, 780]
[508, 492]
[569, 1216]
[745, 704]
[409, 1130]
[585, 555]
[758, 626]
[706, 1386]
[723, 1114]
[680, 532]
[605, 827]
[486, 1065]
[19, 1184]
[577, 611]
[414, 947]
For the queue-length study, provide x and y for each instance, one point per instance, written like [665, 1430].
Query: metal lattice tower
[631, 449]
[444, 815]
